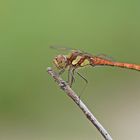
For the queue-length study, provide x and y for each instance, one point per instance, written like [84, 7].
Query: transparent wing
[104, 56]
[61, 48]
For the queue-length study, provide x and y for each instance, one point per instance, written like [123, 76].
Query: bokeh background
[32, 107]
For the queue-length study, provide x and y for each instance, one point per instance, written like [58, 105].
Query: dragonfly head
[60, 61]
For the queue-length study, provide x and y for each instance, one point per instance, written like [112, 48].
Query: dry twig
[66, 88]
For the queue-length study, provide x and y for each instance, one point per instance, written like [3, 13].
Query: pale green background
[32, 107]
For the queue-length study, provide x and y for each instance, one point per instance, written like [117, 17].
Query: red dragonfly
[77, 59]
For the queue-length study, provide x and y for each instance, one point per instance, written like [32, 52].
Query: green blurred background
[32, 107]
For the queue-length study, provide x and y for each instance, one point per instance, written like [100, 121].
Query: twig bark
[66, 88]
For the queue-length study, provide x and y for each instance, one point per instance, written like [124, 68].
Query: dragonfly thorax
[60, 61]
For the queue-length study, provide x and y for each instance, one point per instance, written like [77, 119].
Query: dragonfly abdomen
[96, 61]
[127, 65]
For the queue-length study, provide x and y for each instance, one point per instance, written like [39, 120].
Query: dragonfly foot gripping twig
[66, 88]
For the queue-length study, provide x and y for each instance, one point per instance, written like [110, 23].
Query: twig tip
[49, 69]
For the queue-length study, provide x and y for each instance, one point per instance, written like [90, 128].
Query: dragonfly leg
[71, 77]
[86, 81]
[68, 81]
[61, 71]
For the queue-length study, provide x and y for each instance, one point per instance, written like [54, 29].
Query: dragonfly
[78, 59]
